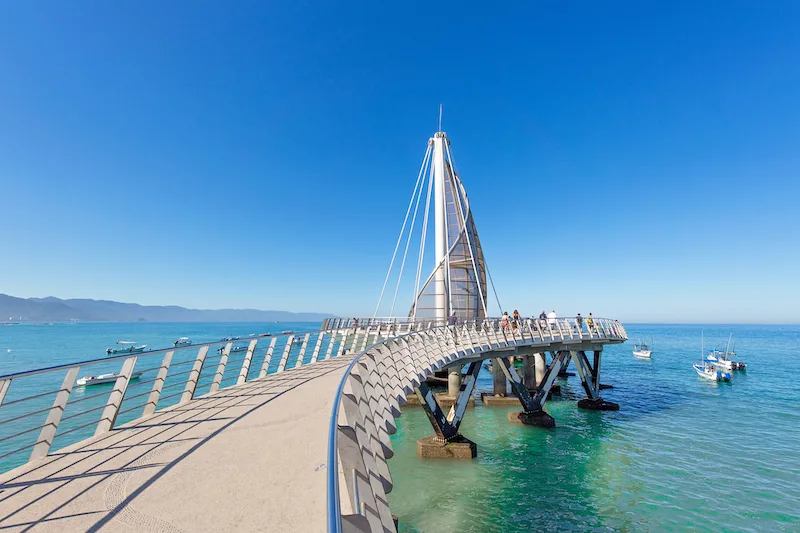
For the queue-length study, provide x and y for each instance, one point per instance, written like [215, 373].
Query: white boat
[234, 349]
[126, 347]
[183, 341]
[722, 359]
[103, 378]
[642, 350]
[709, 370]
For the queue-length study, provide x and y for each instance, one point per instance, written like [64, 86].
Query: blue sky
[637, 160]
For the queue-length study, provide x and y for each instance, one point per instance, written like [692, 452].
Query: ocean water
[682, 454]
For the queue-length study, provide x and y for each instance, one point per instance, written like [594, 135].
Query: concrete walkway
[248, 458]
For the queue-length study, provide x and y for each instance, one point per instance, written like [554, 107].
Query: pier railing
[380, 377]
[47, 409]
[50, 408]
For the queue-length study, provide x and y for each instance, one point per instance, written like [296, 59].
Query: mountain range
[53, 309]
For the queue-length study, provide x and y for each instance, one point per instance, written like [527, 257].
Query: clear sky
[635, 159]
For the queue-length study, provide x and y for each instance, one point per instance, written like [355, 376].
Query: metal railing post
[109, 417]
[194, 375]
[246, 363]
[285, 356]
[223, 362]
[302, 354]
[317, 348]
[329, 351]
[45, 440]
[5, 384]
[158, 384]
[267, 358]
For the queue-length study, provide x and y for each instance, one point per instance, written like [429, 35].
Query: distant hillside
[54, 309]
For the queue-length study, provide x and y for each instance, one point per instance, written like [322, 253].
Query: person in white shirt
[551, 318]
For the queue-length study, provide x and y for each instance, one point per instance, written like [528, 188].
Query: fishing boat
[86, 381]
[722, 359]
[642, 350]
[286, 332]
[709, 370]
[183, 341]
[234, 349]
[231, 338]
[126, 347]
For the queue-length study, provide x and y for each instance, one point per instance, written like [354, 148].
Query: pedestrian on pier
[542, 320]
[515, 320]
[504, 321]
[452, 320]
[551, 318]
[590, 322]
[579, 322]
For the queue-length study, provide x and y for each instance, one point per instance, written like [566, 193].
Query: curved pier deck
[246, 458]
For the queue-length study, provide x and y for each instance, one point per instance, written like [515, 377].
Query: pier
[293, 432]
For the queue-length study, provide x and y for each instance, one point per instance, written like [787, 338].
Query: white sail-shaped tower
[457, 283]
[454, 280]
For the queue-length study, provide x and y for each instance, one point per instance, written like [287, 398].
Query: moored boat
[642, 350]
[126, 347]
[235, 348]
[183, 341]
[86, 381]
[709, 370]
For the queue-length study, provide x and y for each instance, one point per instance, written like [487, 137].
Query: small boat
[722, 360]
[226, 339]
[709, 370]
[183, 341]
[126, 347]
[234, 349]
[286, 332]
[642, 350]
[298, 340]
[86, 381]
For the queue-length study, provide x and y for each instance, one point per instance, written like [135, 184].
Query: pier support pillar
[447, 443]
[533, 402]
[590, 379]
[540, 367]
[499, 379]
[529, 372]
[453, 380]
[458, 448]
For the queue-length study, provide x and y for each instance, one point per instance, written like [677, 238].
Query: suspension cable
[422, 242]
[410, 231]
[402, 229]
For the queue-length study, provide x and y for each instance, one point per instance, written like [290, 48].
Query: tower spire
[440, 118]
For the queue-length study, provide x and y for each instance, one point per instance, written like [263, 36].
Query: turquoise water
[29, 346]
[682, 454]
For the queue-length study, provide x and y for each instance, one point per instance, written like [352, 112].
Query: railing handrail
[116, 357]
[334, 518]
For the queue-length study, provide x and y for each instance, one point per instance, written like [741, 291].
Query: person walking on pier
[542, 320]
[579, 323]
[515, 320]
[590, 322]
[452, 320]
[504, 321]
[551, 318]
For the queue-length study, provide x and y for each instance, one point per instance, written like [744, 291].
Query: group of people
[546, 320]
